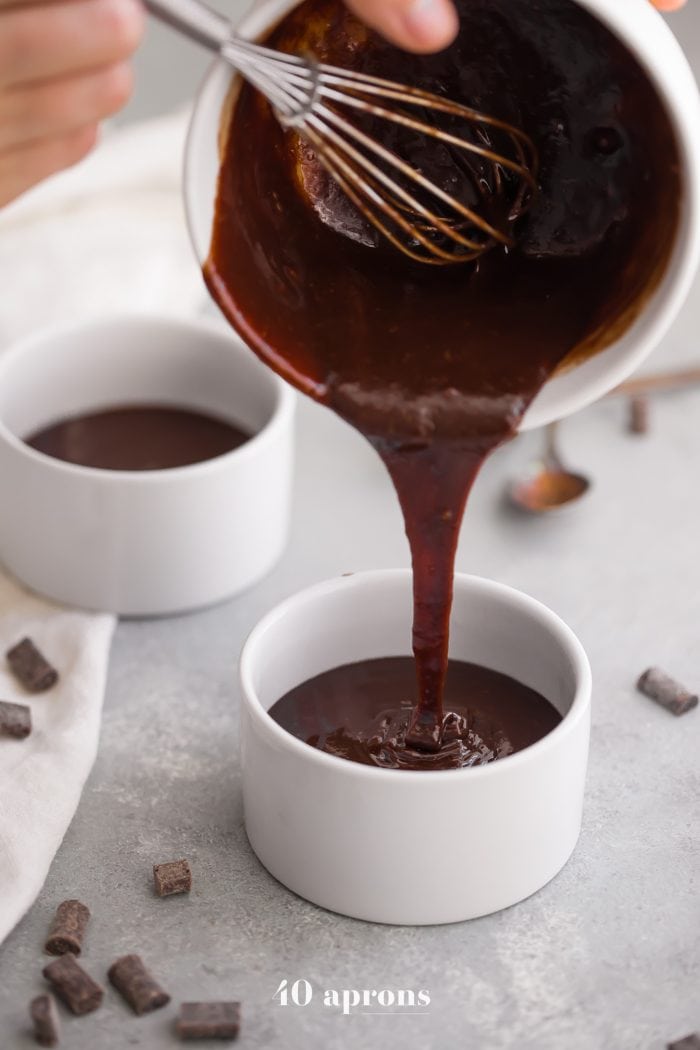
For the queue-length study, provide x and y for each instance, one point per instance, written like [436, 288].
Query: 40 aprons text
[384, 1000]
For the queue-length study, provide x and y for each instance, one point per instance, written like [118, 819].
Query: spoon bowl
[548, 490]
[549, 485]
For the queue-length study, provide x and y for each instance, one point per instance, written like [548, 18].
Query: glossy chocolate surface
[138, 437]
[362, 711]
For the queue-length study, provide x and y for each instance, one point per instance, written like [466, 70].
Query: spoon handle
[659, 381]
[551, 458]
[194, 19]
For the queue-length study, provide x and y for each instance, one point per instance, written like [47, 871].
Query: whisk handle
[194, 19]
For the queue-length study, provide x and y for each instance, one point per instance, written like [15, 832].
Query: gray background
[606, 956]
[169, 68]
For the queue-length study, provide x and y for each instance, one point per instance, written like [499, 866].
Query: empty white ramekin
[146, 542]
[412, 847]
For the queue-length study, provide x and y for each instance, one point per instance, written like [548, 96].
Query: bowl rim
[280, 418]
[465, 582]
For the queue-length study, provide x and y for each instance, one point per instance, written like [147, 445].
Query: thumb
[416, 25]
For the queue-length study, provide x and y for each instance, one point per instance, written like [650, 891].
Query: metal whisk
[416, 215]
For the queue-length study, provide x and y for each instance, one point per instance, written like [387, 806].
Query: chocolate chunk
[15, 720]
[141, 991]
[666, 691]
[30, 668]
[174, 877]
[76, 988]
[44, 1015]
[68, 928]
[639, 415]
[690, 1042]
[209, 1020]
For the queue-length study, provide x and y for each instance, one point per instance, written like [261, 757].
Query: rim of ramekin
[279, 420]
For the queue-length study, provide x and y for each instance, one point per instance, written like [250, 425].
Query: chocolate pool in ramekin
[406, 846]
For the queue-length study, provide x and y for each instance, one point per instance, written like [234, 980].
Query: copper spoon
[550, 485]
[657, 382]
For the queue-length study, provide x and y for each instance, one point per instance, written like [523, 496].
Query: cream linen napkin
[104, 237]
[42, 777]
[108, 235]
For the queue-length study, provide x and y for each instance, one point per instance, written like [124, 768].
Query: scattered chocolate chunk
[690, 1042]
[639, 415]
[659, 686]
[44, 1015]
[174, 877]
[15, 720]
[209, 1021]
[141, 991]
[30, 668]
[76, 988]
[68, 928]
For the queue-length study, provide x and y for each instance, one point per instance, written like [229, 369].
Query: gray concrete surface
[604, 958]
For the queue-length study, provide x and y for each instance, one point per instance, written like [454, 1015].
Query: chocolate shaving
[31, 668]
[666, 691]
[140, 989]
[44, 1015]
[209, 1021]
[73, 985]
[689, 1042]
[174, 877]
[15, 720]
[68, 928]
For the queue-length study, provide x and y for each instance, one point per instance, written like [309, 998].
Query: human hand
[63, 68]
[426, 25]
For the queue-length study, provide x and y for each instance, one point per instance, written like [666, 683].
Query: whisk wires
[419, 217]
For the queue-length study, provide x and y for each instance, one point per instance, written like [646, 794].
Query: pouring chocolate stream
[436, 369]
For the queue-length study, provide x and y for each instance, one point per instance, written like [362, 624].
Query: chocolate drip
[436, 367]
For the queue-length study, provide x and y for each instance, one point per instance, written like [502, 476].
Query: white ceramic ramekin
[646, 34]
[403, 847]
[151, 542]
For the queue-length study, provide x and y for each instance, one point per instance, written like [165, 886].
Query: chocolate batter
[361, 712]
[138, 437]
[436, 367]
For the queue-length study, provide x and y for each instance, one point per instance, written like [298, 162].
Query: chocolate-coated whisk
[416, 215]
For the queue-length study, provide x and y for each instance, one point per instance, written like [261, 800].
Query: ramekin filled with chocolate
[146, 462]
[345, 811]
